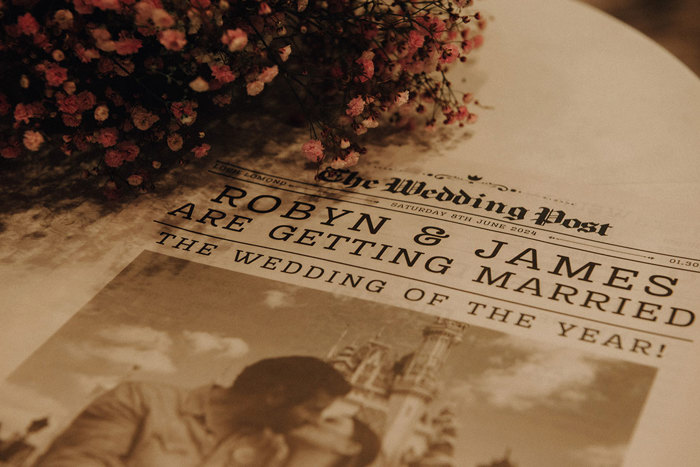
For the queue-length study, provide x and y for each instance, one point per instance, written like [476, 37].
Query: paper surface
[585, 167]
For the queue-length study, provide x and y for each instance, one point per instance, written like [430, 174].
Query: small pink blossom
[416, 39]
[175, 142]
[107, 137]
[142, 118]
[450, 53]
[10, 152]
[114, 158]
[201, 151]
[222, 73]
[264, 9]
[27, 24]
[101, 113]
[172, 39]
[86, 101]
[162, 18]
[284, 52]
[106, 4]
[129, 150]
[72, 120]
[355, 106]
[63, 19]
[370, 122]
[255, 87]
[367, 65]
[55, 74]
[83, 7]
[236, 39]
[127, 46]
[313, 150]
[401, 98]
[23, 112]
[68, 104]
[32, 140]
[85, 55]
[268, 74]
[199, 84]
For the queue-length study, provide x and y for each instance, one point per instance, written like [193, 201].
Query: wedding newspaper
[522, 294]
[472, 321]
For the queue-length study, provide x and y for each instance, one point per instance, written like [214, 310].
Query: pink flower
[365, 61]
[199, 84]
[172, 39]
[10, 152]
[84, 7]
[236, 39]
[184, 111]
[201, 151]
[450, 53]
[86, 101]
[85, 55]
[114, 158]
[255, 87]
[264, 9]
[175, 142]
[416, 39]
[69, 104]
[370, 122]
[107, 137]
[313, 150]
[129, 150]
[350, 159]
[106, 4]
[142, 118]
[284, 52]
[23, 113]
[162, 18]
[101, 113]
[72, 120]
[64, 19]
[222, 73]
[355, 106]
[55, 75]
[401, 98]
[27, 24]
[268, 74]
[127, 46]
[32, 140]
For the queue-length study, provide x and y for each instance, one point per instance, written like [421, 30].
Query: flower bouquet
[122, 86]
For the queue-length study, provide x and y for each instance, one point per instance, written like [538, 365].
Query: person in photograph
[143, 424]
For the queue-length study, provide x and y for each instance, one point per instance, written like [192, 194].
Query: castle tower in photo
[397, 396]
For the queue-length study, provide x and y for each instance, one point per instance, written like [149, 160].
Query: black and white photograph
[176, 363]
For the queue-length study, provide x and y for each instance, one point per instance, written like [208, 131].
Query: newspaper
[468, 300]
[471, 321]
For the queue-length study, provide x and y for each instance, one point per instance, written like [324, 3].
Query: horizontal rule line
[449, 221]
[315, 185]
[436, 284]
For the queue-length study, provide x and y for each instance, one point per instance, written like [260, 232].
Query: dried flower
[101, 113]
[32, 140]
[313, 150]
[236, 39]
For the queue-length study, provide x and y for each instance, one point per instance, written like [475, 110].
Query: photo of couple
[180, 364]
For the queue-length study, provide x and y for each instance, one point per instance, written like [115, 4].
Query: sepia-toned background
[671, 23]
